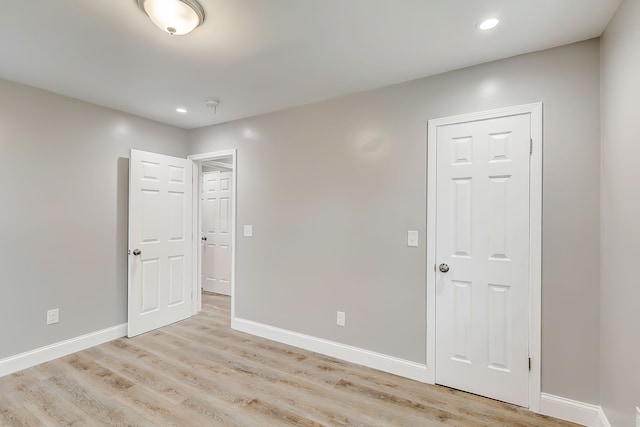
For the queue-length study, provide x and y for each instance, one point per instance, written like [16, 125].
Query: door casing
[197, 225]
[535, 230]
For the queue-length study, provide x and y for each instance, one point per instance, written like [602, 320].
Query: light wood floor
[201, 373]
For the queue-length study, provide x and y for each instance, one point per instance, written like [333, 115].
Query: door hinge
[529, 363]
[531, 146]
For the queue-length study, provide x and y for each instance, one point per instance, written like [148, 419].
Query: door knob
[137, 252]
[203, 238]
[443, 267]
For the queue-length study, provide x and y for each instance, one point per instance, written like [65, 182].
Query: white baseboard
[31, 358]
[554, 406]
[371, 359]
[572, 410]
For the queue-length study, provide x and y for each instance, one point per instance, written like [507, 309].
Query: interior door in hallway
[482, 255]
[216, 231]
[160, 241]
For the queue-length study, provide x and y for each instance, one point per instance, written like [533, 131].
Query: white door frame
[197, 225]
[535, 230]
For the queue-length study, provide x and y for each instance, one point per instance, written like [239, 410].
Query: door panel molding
[535, 232]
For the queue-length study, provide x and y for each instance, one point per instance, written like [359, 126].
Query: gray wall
[63, 213]
[620, 293]
[331, 189]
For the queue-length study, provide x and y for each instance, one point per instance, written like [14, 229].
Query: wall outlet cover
[248, 231]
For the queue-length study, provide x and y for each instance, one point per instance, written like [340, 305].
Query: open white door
[160, 241]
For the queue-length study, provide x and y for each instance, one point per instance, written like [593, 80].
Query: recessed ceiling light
[488, 24]
[181, 110]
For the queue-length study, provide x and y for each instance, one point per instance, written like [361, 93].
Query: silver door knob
[443, 267]
[137, 252]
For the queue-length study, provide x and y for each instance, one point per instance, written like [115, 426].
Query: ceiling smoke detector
[212, 104]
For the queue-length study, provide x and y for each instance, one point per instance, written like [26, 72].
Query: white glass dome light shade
[177, 17]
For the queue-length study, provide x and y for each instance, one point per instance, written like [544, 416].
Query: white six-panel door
[482, 216]
[216, 206]
[160, 241]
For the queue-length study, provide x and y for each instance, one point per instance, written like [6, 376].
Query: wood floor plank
[333, 372]
[334, 396]
[199, 372]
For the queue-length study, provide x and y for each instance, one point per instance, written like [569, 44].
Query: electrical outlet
[53, 316]
[341, 318]
[637, 416]
[248, 231]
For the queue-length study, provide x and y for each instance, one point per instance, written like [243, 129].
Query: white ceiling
[258, 56]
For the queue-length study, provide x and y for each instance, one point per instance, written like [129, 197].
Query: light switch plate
[248, 231]
[53, 316]
[412, 238]
[341, 318]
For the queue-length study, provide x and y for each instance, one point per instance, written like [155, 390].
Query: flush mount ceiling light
[488, 24]
[181, 110]
[176, 17]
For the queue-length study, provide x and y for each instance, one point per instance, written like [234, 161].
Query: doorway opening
[214, 236]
